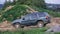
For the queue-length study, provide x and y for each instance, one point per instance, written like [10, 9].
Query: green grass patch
[21, 31]
[11, 32]
[31, 31]
[36, 31]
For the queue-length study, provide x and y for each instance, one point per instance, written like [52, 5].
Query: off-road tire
[40, 24]
[17, 25]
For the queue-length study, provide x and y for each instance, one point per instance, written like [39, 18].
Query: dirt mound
[4, 26]
[30, 10]
[8, 8]
[54, 22]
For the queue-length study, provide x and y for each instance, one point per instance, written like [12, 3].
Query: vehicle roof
[37, 13]
[40, 13]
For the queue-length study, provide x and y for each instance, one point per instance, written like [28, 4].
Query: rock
[56, 28]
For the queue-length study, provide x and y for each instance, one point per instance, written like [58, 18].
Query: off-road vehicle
[37, 18]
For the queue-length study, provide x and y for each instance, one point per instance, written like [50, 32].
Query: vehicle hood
[17, 20]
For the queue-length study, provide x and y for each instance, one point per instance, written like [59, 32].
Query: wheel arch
[38, 21]
[15, 23]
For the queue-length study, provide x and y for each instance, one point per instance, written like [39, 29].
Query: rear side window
[41, 14]
[30, 16]
[33, 15]
[46, 14]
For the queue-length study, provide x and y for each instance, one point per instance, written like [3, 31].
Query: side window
[47, 14]
[33, 16]
[41, 14]
[27, 18]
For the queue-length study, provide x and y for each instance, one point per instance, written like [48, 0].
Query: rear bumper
[47, 20]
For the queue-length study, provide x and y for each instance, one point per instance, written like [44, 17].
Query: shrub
[16, 11]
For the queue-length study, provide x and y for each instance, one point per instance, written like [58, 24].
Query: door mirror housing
[23, 18]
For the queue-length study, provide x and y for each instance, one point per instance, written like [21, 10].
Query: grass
[36, 31]
[21, 31]
[31, 31]
[10, 32]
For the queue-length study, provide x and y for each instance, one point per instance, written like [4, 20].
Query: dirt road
[54, 21]
[4, 26]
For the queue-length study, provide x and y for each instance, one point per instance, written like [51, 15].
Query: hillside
[19, 10]
[14, 12]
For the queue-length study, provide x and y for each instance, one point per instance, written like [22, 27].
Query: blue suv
[37, 18]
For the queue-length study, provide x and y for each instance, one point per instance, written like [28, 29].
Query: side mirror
[23, 18]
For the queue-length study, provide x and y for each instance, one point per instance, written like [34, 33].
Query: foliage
[39, 3]
[14, 13]
[51, 12]
[19, 10]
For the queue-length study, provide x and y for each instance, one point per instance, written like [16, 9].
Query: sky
[52, 1]
[46, 1]
[2, 1]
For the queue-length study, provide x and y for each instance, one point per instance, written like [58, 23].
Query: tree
[32, 2]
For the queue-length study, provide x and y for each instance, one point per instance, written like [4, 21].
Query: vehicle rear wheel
[40, 24]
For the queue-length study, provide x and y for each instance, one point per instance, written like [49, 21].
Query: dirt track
[54, 22]
[7, 25]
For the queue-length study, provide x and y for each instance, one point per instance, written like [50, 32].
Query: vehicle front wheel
[17, 25]
[40, 24]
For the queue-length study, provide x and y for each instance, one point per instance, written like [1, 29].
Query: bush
[15, 12]
[39, 3]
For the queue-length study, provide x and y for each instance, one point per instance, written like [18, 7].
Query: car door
[26, 20]
[33, 18]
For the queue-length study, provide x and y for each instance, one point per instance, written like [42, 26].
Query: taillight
[47, 17]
